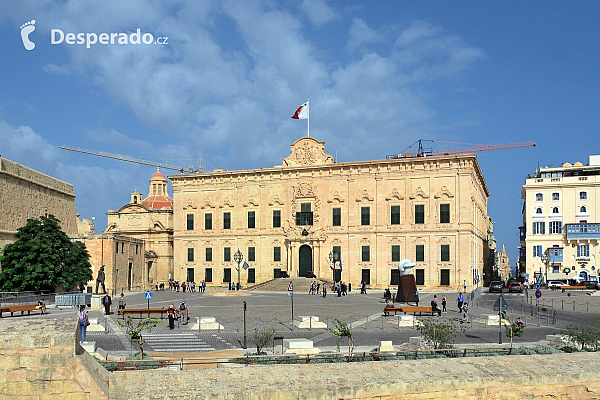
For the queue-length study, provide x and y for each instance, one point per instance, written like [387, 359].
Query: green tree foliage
[43, 257]
[135, 330]
[513, 328]
[342, 330]
[438, 334]
[587, 335]
[263, 338]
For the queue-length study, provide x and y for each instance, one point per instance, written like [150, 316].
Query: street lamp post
[333, 257]
[238, 257]
[545, 259]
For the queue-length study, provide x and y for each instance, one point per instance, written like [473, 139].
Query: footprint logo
[26, 29]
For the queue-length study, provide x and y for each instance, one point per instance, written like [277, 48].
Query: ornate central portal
[305, 265]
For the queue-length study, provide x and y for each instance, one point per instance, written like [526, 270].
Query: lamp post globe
[545, 259]
[238, 257]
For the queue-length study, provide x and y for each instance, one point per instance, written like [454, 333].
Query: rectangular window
[555, 268]
[555, 226]
[420, 252]
[366, 276]
[227, 220]
[251, 254]
[277, 254]
[395, 215]
[227, 254]
[251, 219]
[394, 277]
[190, 222]
[366, 254]
[583, 250]
[582, 195]
[305, 216]
[122, 248]
[208, 221]
[537, 250]
[137, 248]
[419, 213]
[365, 215]
[395, 253]
[539, 228]
[555, 196]
[445, 252]
[116, 247]
[208, 275]
[190, 275]
[276, 218]
[337, 253]
[251, 275]
[444, 213]
[539, 197]
[227, 275]
[337, 217]
[208, 254]
[190, 255]
[445, 277]
[420, 277]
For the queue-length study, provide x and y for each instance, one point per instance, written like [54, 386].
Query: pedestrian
[339, 289]
[363, 288]
[171, 315]
[344, 289]
[465, 311]
[84, 322]
[318, 287]
[106, 302]
[465, 285]
[324, 289]
[157, 286]
[183, 312]
[444, 301]
[519, 322]
[41, 306]
[122, 303]
[434, 306]
[459, 301]
[203, 286]
[417, 297]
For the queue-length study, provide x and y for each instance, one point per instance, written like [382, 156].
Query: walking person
[434, 306]
[318, 287]
[324, 289]
[465, 311]
[459, 301]
[465, 285]
[444, 304]
[171, 315]
[84, 322]
[417, 297]
[183, 312]
[106, 302]
[122, 303]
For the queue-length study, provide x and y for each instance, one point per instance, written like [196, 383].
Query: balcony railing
[304, 218]
[582, 231]
[556, 255]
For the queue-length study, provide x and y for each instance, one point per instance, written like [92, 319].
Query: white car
[556, 284]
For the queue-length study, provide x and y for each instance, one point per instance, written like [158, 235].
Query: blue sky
[380, 75]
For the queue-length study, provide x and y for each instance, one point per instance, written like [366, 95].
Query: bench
[410, 309]
[572, 288]
[143, 312]
[22, 308]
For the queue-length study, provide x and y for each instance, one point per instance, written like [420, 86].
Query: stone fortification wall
[26, 193]
[38, 361]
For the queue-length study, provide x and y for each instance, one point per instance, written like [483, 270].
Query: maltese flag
[301, 112]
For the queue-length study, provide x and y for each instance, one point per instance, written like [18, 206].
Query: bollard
[553, 317]
[413, 323]
[238, 325]
[587, 306]
[552, 305]
[328, 323]
[398, 322]
[512, 308]
[310, 323]
[350, 322]
[471, 323]
[257, 324]
[382, 320]
[486, 323]
[219, 324]
[573, 305]
[105, 325]
[179, 325]
[367, 328]
[562, 304]
[538, 320]
[275, 325]
[547, 319]
[199, 324]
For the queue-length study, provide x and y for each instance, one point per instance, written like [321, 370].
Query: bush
[537, 349]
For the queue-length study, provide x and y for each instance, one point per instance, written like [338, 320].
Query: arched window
[555, 210]
[582, 209]
[538, 210]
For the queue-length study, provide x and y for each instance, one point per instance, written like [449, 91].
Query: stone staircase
[301, 285]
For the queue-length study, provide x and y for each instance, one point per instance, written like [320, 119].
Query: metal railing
[73, 300]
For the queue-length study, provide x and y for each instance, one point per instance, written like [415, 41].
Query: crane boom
[422, 152]
[128, 159]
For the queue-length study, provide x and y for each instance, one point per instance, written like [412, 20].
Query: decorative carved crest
[364, 197]
[395, 240]
[336, 197]
[276, 200]
[444, 192]
[251, 202]
[395, 195]
[365, 241]
[207, 204]
[307, 151]
[304, 189]
[227, 203]
[419, 193]
[190, 205]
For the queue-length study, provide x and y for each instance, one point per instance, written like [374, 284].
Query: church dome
[159, 195]
[158, 202]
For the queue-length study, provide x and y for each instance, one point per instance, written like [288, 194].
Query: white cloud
[361, 36]
[318, 12]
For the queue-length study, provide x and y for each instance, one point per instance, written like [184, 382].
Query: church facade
[352, 221]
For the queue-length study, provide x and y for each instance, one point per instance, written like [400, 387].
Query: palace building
[371, 214]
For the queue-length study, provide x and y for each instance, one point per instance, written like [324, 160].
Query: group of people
[341, 288]
[174, 314]
[314, 288]
[183, 286]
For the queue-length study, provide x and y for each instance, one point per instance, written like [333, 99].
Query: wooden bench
[572, 288]
[410, 309]
[22, 308]
[143, 312]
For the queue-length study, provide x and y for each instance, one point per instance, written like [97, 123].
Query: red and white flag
[301, 112]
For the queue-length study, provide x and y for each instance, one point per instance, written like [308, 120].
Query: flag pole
[307, 118]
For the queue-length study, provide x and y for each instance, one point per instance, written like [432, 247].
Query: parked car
[515, 286]
[594, 284]
[556, 284]
[495, 286]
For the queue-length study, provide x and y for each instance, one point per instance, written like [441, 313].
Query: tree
[513, 328]
[135, 330]
[43, 257]
[439, 335]
[342, 330]
[262, 338]
[587, 335]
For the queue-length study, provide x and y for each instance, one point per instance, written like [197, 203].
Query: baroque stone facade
[432, 210]
[26, 193]
[150, 220]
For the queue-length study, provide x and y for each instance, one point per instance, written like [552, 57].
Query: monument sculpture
[100, 280]
[408, 285]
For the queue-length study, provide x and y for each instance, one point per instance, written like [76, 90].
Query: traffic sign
[148, 295]
[538, 294]
[291, 287]
[538, 286]
[500, 304]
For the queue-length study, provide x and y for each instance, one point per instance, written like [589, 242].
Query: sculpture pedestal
[97, 302]
[406, 289]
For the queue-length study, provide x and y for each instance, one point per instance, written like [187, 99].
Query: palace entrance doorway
[305, 261]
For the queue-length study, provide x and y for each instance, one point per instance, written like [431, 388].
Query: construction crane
[133, 159]
[426, 152]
